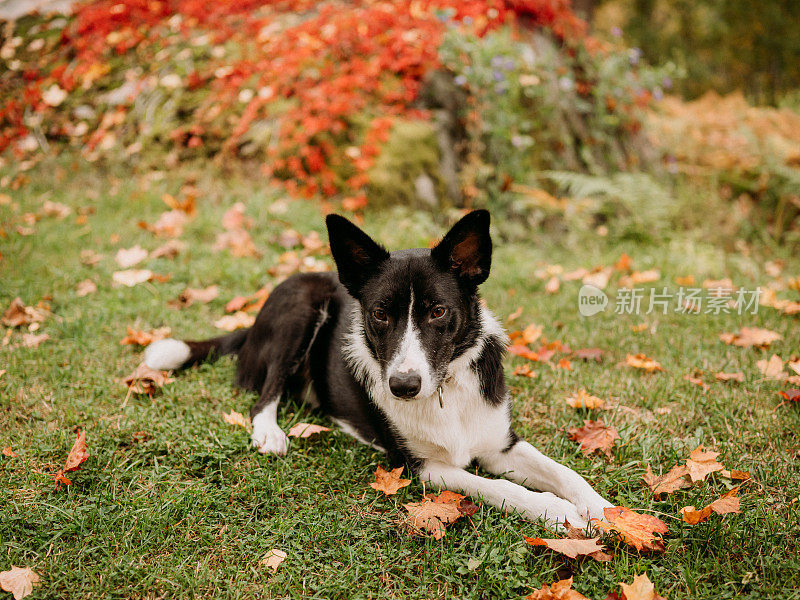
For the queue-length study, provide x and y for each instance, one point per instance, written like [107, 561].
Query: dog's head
[419, 307]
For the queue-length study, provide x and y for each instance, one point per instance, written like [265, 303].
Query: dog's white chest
[465, 427]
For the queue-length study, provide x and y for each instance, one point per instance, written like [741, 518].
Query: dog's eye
[438, 312]
[379, 315]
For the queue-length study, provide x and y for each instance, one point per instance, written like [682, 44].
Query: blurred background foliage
[647, 117]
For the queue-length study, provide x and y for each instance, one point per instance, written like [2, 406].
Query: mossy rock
[410, 154]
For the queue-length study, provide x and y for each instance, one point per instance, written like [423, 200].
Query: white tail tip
[167, 354]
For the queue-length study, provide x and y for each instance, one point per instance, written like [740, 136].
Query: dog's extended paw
[593, 508]
[557, 511]
[270, 440]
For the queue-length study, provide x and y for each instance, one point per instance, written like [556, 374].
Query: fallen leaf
[235, 321]
[76, 457]
[583, 399]
[7, 451]
[564, 363]
[791, 395]
[624, 263]
[17, 314]
[734, 474]
[638, 277]
[238, 419]
[729, 503]
[751, 336]
[599, 279]
[696, 381]
[273, 559]
[553, 285]
[514, 315]
[32, 340]
[131, 256]
[145, 380]
[252, 303]
[55, 209]
[169, 224]
[702, 463]
[238, 242]
[560, 590]
[772, 368]
[524, 371]
[676, 478]
[389, 482]
[169, 250]
[431, 517]
[686, 280]
[590, 354]
[640, 361]
[19, 581]
[140, 337]
[531, 333]
[90, 258]
[190, 296]
[594, 435]
[523, 351]
[738, 376]
[464, 505]
[640, 589]
[794, 365]
[234, 218]
[569, 547]
[85, 287]
[132, 277]
[304, 430]
[635, 529]
[187, 205]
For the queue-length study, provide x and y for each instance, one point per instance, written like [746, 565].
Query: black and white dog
[400, 353]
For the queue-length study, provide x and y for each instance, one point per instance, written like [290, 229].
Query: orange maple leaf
[635, 529]
[389, 482]
[594, 435]
[76, 457]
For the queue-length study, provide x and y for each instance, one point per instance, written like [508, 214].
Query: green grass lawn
[174, 503]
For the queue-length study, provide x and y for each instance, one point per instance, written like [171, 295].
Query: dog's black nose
[405, 385]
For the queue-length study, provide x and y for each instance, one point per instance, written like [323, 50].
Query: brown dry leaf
[514, 315]
[465, 506]
[389, 482]
[234, 218]
[735, 474]
[85, 287]
[235, 321]
[702, 463]
[794, 365]
[524, 371]
[188, 204]
[304, 430]
[675, 479]
[698, 381]
[791, 395]
[641, 361]
[238, 241]
[273, 559]
[594, 435]
[17, 314]
[169, 224]
[132, 277]
[553, 285]
[55, 209]
[624, 263]
[720, 286]
[599, 278]
[145, 380]
[190, 296]
[90, 258]
[140, 337]
[590, 354]
[169, 250]
[126, 258]
[638, 277]
[641, 589]
[7, 451]
[531, 333]
[431, 517]
[560, 590]
[772, 368]
[564, 363]
[76, 457]
[19, 581]
[583, 399]
[238, 419]
[729, 503]
[634, 529]
[687, 280]
[252, 303]
[571, 548]
[738, 376]
[33, 340]
[751, 336]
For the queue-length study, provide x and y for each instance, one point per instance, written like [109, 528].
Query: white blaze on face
[411, 355]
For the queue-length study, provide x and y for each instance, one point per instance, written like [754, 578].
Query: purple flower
[616, 32]
[658, 93]
[460, 80]
[498, 75]
[497, 61]
[565, 84]
[667, 83]
[509, 64]
[501, 88]
[634, 54]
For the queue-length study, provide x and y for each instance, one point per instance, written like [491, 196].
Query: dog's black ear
[466, 250]
[356, 255]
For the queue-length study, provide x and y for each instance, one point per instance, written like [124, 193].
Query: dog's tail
[171, 354]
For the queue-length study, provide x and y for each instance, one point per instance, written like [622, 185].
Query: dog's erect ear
[357, 257]
[466, 250]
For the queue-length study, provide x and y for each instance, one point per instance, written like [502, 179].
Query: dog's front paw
[270, 440]
[593, 507]
[558, 511]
